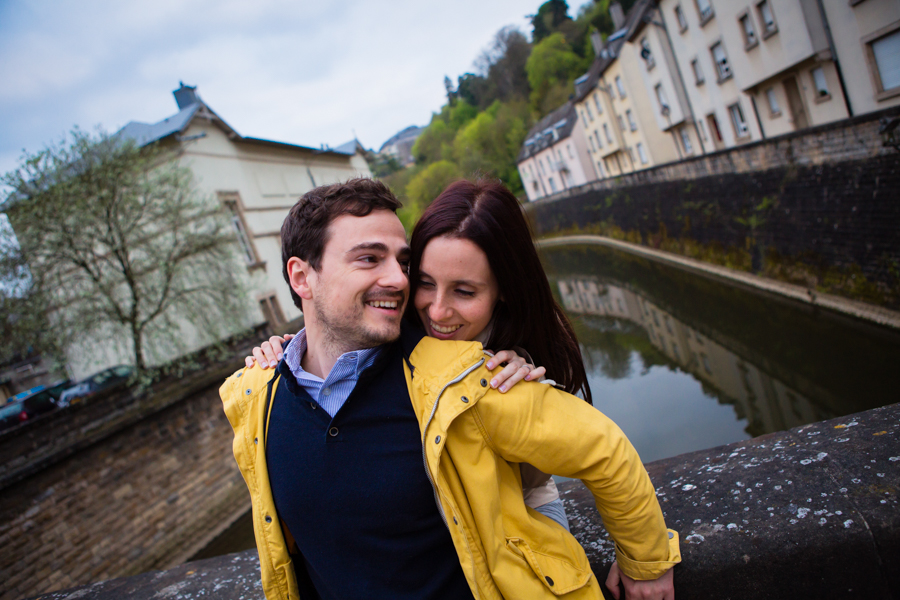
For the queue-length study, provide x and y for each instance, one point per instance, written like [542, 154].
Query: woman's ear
[301, 276]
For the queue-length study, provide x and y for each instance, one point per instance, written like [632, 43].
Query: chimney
[597, 42]
[186, 95]
[618, 16]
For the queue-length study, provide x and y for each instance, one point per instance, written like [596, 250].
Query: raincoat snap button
[268, 519]
[484, 383]
[464, 399]
[437, 440]
[333, 431]
[671, 535]
[255, 440]
[239, 374]
[549, 581]
[455, 522]
[249, 392]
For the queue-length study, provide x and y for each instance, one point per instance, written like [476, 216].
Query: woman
[476, 276]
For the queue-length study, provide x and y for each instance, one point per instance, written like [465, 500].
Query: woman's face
[457, 290]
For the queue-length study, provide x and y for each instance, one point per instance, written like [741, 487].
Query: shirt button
[333, 431]
[312, 405]
[326, 391]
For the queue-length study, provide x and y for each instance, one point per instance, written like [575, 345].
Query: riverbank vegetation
[515, 82]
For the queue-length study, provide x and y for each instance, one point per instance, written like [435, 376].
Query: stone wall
[820, 208]
[145, 498]
[810, 513]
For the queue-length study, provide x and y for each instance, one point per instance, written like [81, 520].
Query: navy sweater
[354, 493]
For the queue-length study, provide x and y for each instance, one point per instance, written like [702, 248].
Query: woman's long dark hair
[487, 214]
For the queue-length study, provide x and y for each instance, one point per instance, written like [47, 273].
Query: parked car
[11, 415]
[109, 378]
[45, 400]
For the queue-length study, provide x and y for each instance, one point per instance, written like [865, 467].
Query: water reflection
[682, 363]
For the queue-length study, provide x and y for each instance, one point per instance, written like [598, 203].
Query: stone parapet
[813, 512]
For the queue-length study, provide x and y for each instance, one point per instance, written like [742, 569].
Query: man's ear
[299, 274]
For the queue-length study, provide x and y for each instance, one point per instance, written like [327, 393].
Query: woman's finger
[260, 358]
[504, 356]
[536, 374]
[248, 361]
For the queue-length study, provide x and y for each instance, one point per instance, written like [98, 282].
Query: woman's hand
[662, 588]
[267, 354]
[515, 370]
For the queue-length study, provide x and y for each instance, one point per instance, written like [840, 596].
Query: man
[361, 488]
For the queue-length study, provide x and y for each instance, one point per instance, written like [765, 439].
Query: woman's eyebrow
[456, 282]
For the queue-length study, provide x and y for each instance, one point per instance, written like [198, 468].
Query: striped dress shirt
[332, 392]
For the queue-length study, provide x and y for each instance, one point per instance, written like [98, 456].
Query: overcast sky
[296, 71]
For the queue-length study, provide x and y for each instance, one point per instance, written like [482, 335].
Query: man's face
[361, 289]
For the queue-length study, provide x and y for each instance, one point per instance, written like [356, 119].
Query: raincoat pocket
[559, 575]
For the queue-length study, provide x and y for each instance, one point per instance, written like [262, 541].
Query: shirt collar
[295, 351]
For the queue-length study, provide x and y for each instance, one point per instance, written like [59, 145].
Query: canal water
[683, 362]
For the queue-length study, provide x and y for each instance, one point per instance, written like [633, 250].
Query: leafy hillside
[514, 83]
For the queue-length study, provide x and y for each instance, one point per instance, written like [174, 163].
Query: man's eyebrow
[376, 247]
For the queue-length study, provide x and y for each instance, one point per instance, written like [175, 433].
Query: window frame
[720, 79]
[233, 203]
[686, 144]
[751, 38]
[608, 135]
[620, 86]
[629, 116]
[766, 31]
[697, 68]
[734, 124]
[681, 19]
[874, 72]
[819, 96]
[271, 309]
[774, 112]
[704, 19]
[649, 61]
[597, 104]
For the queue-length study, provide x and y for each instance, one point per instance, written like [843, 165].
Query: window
[662, 99]
[590, 114]
[702, 130]
[607, 134]
[750, 39]
[723, 68]
[541, 166]
[737, 120]
[647, 54]
[642, 153]
[232, 202]
[620, 86]
[552, 185]
[621, 122]
[774, 108]
[632, 124]
[714, 127]
[705, 10]
[271, 310]
[822, 93]
[679, 16]
[591, 140]
[600, 169]
[597, 103]
[597, 135]
[698, 72]
[686, 141]
[569, 148]
[767, 18]
[883, 53]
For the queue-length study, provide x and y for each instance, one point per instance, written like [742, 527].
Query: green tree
[436, 142]
[431, 181]
[550, 18]
[118, 246]
[552, 64]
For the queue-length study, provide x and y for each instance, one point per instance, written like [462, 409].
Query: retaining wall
[813, 512]
[826, 199]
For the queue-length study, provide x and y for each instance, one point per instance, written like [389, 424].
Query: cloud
[302, 72]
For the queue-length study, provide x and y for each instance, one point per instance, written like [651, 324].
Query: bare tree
[115, 245]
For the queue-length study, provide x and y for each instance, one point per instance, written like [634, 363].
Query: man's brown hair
[304, 232]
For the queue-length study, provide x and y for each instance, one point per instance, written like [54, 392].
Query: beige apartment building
[624, 130]
[256, 181]
[554, 156]
[761, 68]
